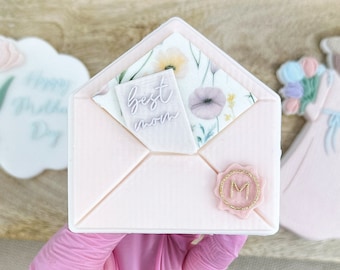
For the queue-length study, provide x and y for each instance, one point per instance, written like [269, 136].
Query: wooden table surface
[260, 35]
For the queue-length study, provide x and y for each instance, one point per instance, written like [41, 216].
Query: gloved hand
[67, 250]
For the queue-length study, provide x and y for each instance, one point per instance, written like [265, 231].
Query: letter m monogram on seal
[234, 186]
[239, 189]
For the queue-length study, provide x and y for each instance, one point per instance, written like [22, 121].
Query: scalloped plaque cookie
[35, 83]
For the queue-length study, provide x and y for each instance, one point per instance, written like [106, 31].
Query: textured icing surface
[232, 118]
[153, 111]
[311, 164]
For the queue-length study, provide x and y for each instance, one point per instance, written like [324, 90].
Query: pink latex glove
[67, 250]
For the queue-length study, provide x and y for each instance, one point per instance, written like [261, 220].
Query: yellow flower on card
[227, 117]
[172, 58]
[231, 100]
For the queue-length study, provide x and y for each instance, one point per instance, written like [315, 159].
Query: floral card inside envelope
[174, 137]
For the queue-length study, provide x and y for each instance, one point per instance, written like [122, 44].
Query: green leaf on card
[121, 76]
[4, 89]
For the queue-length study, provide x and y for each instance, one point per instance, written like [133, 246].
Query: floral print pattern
[207, 102]
[172, 58]
[211, 97]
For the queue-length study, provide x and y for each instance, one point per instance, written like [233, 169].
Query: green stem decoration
[4, 89]
[310, 91]
[193, 55]
[217, 125]
[206, 72]
[251, 97]
[147, 59]
[121, 76]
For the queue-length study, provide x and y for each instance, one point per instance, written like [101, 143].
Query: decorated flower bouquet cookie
[310, 168]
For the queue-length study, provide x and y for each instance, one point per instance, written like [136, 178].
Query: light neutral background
[260, 35]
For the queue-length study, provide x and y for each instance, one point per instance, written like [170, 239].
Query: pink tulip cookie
[310, 168]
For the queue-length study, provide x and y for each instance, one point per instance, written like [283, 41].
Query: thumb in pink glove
[214, 252]
[67, 250]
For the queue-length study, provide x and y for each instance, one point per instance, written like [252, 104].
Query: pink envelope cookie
[154, 134]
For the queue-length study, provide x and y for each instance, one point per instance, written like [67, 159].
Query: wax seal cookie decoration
[310, 168]
[35, 83]
[239, 190]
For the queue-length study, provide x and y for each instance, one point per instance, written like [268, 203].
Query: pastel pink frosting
[10, 56]
[291, 106]
[310, 66]
[239, 190]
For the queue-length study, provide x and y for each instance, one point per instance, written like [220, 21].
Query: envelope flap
[185, 199]
[92, 154]
[213, 87]
[254, 147]
[220, 58]
[95, 85]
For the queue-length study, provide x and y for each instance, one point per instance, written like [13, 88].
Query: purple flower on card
[207, 102]
[214, 68]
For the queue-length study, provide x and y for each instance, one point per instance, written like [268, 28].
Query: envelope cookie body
[174, 137]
